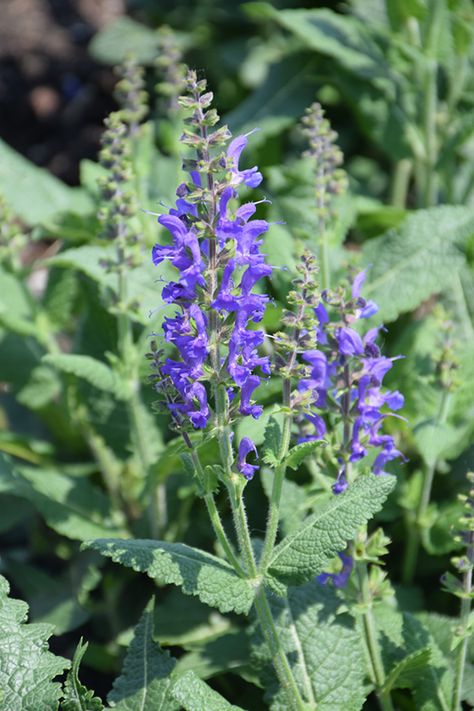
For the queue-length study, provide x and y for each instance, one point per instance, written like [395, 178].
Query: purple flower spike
[245, 447]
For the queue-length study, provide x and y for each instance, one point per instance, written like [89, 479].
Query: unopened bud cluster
[130, 93]
[330, 179]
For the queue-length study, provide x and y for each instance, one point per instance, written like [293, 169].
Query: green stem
[275, 497]
[215, 517]
[280, 662]
[324, 251]
[400, 183]
[464, 622]
[371, 639]
[429, 127]
[414, 538]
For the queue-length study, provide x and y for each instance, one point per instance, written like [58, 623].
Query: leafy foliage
[324, 649]
[304, 553]
[145, 680]
[76, 696]
[27, 667]
[196, 572]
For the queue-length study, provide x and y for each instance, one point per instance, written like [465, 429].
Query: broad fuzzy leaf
[195, 571]
[72, 507]
[145, 680]
[405, 673]
[323, 648]
[76, 696]
[411, 263]
[304, 553]
[27, 667]
[194, 694]
[272, 442]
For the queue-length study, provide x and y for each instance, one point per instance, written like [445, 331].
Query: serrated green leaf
[33, 193]
[27, 667]
[299, 452]
[72, 507]
[272, 442]
[42, 387]
[94, 371]
[322, 646]
[76, 696]
[417, 255]
[145, 682]
[304, 553]
[404, 674]
[193, 694]
[194, 571]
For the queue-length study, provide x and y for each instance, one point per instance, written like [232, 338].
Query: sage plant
[210, 363]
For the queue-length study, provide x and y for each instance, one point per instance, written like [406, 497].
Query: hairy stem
[463, 624]
[369, 629]
[414, 537]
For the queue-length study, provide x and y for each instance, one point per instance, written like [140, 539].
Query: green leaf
[193, 694]
[141, 281]
[33, 193]
[76, 696]
[124, 36]
[279, 101]
[227, 653]
[27, 667]
[304, 553]
[185, 621]
[405, 673]
[299, 452]
[94, 371]
[322, 646]
[345, 39]
[418, 255]
[42, 387]
[272, 443]
[72, 507]
[145, 680]
[402, 634]
[194, 571]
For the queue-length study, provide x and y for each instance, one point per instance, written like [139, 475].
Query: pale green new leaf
[304, 553]
[71, 506]
[145, 682]
[27, 667]
[194, 571]
[422, 255]
[193, 694]
[76, 696]
[323, 648]
[299, 452]
[94, 371]
[272, 442]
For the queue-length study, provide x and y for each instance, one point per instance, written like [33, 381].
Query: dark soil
[53, 96]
